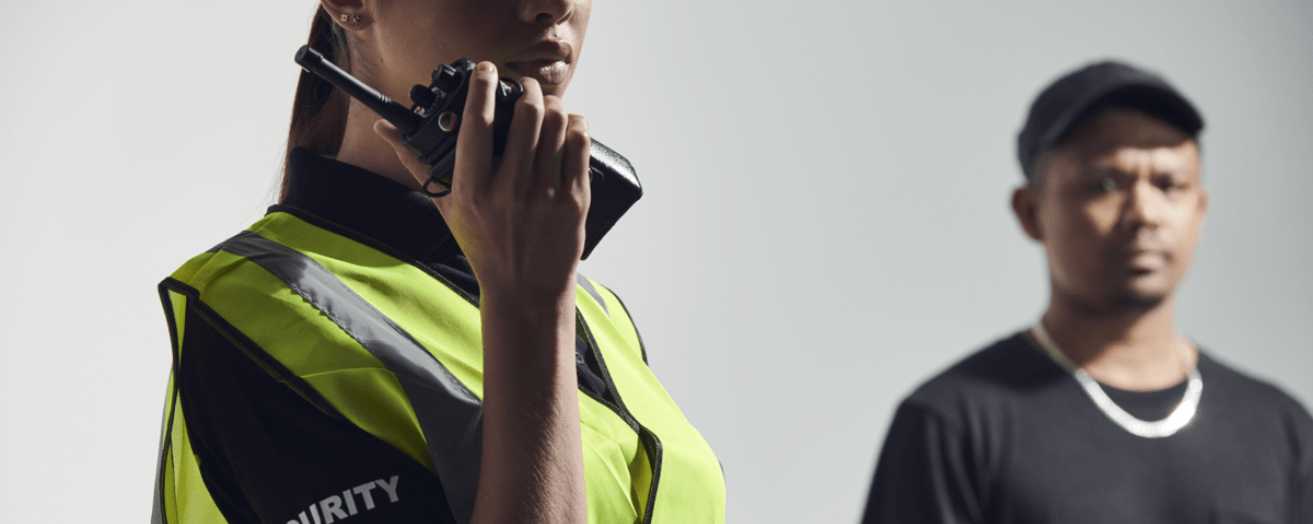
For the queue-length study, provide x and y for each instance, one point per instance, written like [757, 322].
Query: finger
[551, 146]
[474, 143]
[390, 134]
[574, 175]
[522, 139]
[417, 169]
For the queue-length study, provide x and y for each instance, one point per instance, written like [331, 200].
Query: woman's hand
[519, 219]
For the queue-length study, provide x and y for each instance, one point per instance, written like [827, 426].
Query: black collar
[363, 203]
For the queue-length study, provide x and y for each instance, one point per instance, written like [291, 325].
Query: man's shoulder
[998, 372]
[1266, 411]
[1242, 388]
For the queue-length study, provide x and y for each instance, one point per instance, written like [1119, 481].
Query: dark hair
[318, 110]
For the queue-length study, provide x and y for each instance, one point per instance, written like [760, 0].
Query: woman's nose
[546, 12]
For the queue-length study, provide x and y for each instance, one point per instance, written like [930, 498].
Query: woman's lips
[548, 72]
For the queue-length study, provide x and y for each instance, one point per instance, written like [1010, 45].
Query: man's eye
[1105, 184]
[1168, 185]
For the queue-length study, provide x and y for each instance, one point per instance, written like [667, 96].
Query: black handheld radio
[431, 124]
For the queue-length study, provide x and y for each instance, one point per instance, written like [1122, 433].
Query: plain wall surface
[825, 223]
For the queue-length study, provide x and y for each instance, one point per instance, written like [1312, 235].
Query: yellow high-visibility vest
[398, 352]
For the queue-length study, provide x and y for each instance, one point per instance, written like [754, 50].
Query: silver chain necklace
[1177, 419]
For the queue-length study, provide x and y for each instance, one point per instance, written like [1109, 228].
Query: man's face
[1118, 208]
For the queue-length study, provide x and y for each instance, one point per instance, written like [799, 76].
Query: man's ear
[1025, 206]
[350, 15]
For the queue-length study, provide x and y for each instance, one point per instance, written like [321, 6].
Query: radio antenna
[401, 117]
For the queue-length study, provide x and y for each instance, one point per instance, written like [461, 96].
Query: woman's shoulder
[246, 270]
[234, 263]
[214, 266]
[259, 292]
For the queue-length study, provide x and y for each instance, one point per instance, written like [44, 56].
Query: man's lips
[1143, 260]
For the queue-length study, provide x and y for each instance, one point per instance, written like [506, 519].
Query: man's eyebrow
[1096, 169]
[1171, 171]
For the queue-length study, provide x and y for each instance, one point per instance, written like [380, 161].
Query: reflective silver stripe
[588, 286]
[450, 416]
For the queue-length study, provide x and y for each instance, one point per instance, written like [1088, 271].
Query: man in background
[1102, 411]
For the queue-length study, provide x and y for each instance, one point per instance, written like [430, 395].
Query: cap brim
[1146, 95]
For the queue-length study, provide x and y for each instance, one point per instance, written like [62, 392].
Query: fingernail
[381, 128]
[484, 67]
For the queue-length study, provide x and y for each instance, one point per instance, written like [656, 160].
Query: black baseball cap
[1075, 97]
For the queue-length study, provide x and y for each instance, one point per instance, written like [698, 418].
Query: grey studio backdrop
[825, 222]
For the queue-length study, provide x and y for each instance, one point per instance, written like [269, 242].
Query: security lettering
[350, 502]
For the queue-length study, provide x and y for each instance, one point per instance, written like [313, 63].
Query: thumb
[409, 160]
[387, 132]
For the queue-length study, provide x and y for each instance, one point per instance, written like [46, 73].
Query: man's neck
[1135, 349]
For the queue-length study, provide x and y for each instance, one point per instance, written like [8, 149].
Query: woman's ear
[1025, 205]
[350, 15]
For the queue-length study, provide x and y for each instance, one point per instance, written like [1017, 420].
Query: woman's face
[406, 39]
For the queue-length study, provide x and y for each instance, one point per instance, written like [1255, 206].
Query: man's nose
[1144, 204]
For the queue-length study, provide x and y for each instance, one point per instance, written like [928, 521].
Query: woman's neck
[363, 148]
[1135, 349]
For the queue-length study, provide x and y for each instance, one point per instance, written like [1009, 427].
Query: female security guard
[364, 353]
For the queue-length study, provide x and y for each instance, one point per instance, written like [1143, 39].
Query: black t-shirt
[1008, 436]
[268, 452]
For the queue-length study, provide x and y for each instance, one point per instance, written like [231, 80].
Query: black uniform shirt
[1007, 435]
[267, 453]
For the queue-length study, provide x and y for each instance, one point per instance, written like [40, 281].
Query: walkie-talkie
[431, 124]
